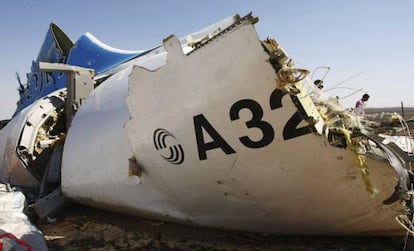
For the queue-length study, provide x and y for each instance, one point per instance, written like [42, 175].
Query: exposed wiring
[348, 88]
[320, 67]
[340, 82]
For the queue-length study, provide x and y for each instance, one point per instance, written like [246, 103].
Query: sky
[368, 45]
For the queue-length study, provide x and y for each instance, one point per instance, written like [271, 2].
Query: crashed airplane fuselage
[218, 129]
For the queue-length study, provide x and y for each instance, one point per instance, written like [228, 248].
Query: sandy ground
[84, 228]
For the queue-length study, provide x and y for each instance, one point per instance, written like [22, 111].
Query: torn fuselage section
[33, 153]
[42, 133]
[43, 130]
[364, 137]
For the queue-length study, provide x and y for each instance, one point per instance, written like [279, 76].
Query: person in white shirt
[360, 105]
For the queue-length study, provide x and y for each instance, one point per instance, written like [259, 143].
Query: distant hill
[408, 111]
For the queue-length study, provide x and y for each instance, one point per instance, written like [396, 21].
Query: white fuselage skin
[236, 175]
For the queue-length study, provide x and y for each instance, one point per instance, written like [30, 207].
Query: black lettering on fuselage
[255, 122]
[290, 130]
[201, 122]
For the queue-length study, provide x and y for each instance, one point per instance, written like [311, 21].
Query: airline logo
[168, 146]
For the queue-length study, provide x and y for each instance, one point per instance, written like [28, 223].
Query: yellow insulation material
[336, 124]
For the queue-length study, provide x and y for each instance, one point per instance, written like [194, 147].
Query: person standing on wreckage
[360, 105]
[317, 93]
[319, 84]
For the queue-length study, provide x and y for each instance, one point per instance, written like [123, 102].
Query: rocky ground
[84, 228]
